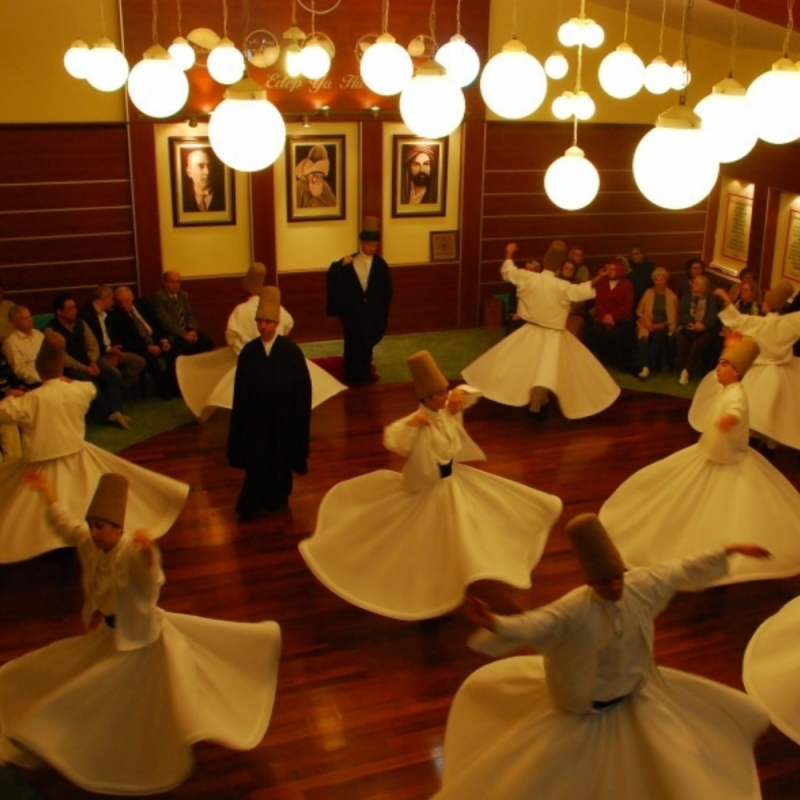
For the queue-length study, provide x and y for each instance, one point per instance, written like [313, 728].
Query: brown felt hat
[599, 558]
[50, 359]
[741, 354]
[110, 499]
[269, 304]
[554, 257]
[427, 377]
[253, 281]
[778, 296]
[371, 230]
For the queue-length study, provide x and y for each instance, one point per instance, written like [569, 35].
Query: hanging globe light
[460, 60]
[225, 62]
[246, 131]
[293, 53]
[681, 76]
[563, 106]
[432, 105]
[157, 86]
[570, 33]
[593, 34]
[728, 120]
[108, 68]
[513, 83]
[658, 76]
[572, 182]
[76, 59]
[674, 165]
[386, 67]
[556, 66]
[583, 105]
[621, 73]
[775, 98]
[182, 53]
[315, 60]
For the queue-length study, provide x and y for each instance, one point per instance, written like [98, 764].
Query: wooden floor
[362, 700]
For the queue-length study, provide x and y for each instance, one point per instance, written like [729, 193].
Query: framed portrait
[419, 177]
[315, 178]
[444, 245]
[202, 186]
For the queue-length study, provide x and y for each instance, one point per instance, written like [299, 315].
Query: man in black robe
[360, 293]
[271, 414]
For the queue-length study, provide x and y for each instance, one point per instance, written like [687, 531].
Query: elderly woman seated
[657, 318]
[748, 299]
[698, 323]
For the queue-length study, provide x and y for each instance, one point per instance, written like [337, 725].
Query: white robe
[676, 737]
[52, 421]
[705, 496]
[542, 353]
[407, 546]
[117, 710]
[772, 383]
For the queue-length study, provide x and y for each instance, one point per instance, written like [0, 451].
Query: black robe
[270, 423]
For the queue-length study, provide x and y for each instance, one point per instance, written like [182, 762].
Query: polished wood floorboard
[362, 700]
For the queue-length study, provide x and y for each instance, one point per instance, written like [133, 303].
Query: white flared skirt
[685, 738]
[686, 505]
[551, 359]
[123, 722]
[154, 500]
[411, 555]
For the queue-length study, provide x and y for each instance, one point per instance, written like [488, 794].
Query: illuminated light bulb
[460, 60]
[182, 53]
[572, 181]
[621, 73]
[76, 59]
[386, 67]
[225, 62]
[157, 86]
[658, 76]
[108, 68]
[556, 66]
[513, 83]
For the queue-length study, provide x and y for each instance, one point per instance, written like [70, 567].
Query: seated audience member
[611, 337]
[82, 359]
[748, 300]
[641, 273]
[97, 315]
[21, 347]
[747, 274]
[140, 332]
[10, 446]
[657, 318]
[5, 307]
[697, 326]
[576, 321]
[694, 267]
[174, 312]
[581, 270]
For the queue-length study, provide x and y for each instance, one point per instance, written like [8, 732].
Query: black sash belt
[600, 705]
[110, 620]
[446, 470]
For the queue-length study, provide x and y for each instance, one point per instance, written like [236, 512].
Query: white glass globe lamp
[570, 33]
[157, 86]
[76, 59]
[728, 120]
[293, 52]
[182, 53]
[556, 66]
[572, 182]
[593, 34]
[386, 67]
[315, 61]
[108, 68]
[246, 131]
[432, 105]
[621, 73]
[225, 62]
[674, 165]
[460, 60]
[681, 76]
[775, 97]
[513, 83]
[563, 106]
[658, 76]
[583, 105]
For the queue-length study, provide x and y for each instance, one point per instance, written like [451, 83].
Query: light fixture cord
[627, 11]
[75, 16]
[313, 17]
[663, 23]
[514, 20]
[294, 13]
[789, 27]
[432, 21]
[575, 131]
[225, 18]
[245, 23]
[103, 18]
[685, 34]
[458, 17]
[178, 3]
[155, 21]
[734, 36]
[385, 16]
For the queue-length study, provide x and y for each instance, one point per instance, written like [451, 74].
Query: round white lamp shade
[563, 106]
[225, 63]
[658, 76]
[775, 98]
[593, 34]
[556, 65]
[674, 167]
[460, 60]
[246, 131]
[157, 86]
[572, 182]
[293, 53]
[386, 67]
[583, 105]
[108, 68]
[681, 76]
[315, 61]
[570, 33]
[182, 53]
[513, 83]
[728, 121]
[76, 59]
[432, 105]
[621, 73]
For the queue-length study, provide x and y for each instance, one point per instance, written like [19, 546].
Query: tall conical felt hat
[778, 296]
[50, 359]
[599, 558]
[253, 281]
[427, 377]
[741, 354]
[371, 230]
[110, 499]
[554, 257]
[269, 304]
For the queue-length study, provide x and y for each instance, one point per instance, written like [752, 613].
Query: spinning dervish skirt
[411, 555]
[154, 500]
[773, 393]
[689, 739]
[123, 722]
[772, 668]
[206, 381]
[686, 505]
[552, 359]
